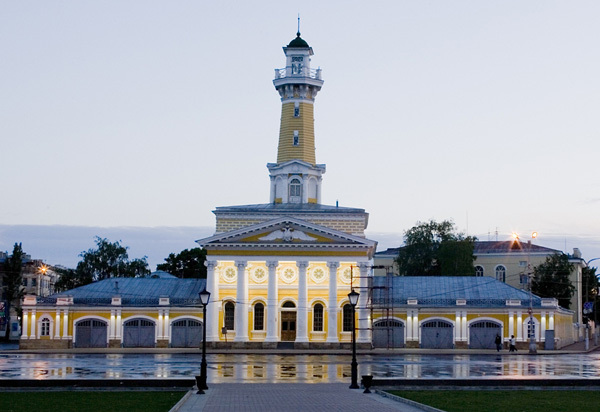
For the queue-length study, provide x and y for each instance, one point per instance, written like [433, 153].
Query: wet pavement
[295, 368]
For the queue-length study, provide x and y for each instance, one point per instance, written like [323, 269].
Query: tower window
[295, 190]
[296, 138]
[296, 109]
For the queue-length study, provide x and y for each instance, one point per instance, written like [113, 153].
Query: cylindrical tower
[296, 177]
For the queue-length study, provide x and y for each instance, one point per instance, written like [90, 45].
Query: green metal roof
[298, 43]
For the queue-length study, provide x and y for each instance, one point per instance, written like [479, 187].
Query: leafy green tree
[435, 249]
[186, 264]
[12, 279]
[110, 260]
[551, 279]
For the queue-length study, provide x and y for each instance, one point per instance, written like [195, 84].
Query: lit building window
[45, 329]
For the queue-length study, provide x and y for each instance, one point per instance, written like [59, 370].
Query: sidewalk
[276, 397]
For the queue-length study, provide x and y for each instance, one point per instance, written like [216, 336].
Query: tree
[589, 290]
[71, 279]
[186, 264]
[551, 279]
[435, 249]
[12, 279]
[110, 260]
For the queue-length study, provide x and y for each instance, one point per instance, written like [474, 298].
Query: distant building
[509, 262]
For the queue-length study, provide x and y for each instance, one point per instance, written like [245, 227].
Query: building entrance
[288, 326]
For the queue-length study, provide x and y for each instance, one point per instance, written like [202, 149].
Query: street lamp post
[531, 328]
[201, 380]
[353, 297]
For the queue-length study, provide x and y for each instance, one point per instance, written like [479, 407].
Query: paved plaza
[276, 397]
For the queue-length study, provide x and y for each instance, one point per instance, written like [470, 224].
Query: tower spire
[298, 34]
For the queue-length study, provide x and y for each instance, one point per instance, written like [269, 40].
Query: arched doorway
[288, 321]
[91, 333]
[482, 334]
[388, 333]
[138, 333]
[186, 333]
[437, 334]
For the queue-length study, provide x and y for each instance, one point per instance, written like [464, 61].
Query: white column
[57, 325]
[543, 326]
[416, 325]
[551, 321]
[112, 325]
[272, 302]
[212, 311]
[511, 323]
[302, 313]
[160, 324]
[119, 326]
[241, 306]
[364, 332]
[409, 335]
[65, 334]
[464, 325]
[24, 334]
[166, 329]
[457, 328]
[33, 335]
[519, 325]
[332, 309]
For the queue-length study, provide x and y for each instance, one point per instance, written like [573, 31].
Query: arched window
[295, 191]
[229, 315]
[347, 320]
[478, 270]
[259, 316]
[318, 318]
[501, 273]
[45, 327]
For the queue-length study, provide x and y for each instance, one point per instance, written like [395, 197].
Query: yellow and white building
[281, 272]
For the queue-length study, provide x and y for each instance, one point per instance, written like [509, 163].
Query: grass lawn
[507, 401]
[80, 401]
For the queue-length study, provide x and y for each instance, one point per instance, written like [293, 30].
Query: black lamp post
[201, 380]
[353, 297]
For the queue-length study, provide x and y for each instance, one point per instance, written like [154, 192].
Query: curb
[397, 398]
[181, 402]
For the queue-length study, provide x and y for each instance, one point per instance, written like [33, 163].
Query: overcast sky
[146, 114]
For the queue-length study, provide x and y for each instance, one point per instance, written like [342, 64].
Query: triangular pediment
[286, 231]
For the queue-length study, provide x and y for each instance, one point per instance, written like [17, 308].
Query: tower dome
[298, 43]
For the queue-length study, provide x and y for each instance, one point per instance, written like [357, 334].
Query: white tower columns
[241, 304]
[272, 302]
[302, 312]
[332, 309]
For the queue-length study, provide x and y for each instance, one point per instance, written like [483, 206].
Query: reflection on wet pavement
[293, 368]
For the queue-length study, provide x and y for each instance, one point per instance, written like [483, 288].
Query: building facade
[280, 272]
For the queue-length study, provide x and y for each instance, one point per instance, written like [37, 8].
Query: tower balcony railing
[304, 72]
